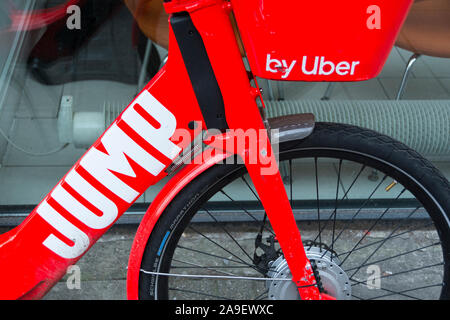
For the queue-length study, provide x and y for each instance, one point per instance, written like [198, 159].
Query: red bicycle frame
[134, 153]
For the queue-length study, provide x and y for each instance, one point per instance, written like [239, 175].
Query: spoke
[394, 236]
[393, 257]
[402, 292]
[343, 198]
[200, 293]
[229, 234]
[212, 241]
[212, 255]
[357, 282]
[207, 276]
[340, 181]
[372, 226]
[318, 200]
[193, 265]
[290, 184]
[397, 292]
[246, 211]
[253, 191]
[347, 223]
[262, 295]
[394, 292]
[336, 203]
[385, 240]
[263, 224]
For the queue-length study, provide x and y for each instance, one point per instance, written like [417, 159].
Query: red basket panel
[319, 40]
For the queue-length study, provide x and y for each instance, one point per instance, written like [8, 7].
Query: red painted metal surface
[323, 40]
[28, 269]
[134, 151]
[159, 204]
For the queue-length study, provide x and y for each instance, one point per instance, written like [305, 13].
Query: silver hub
[334, 280]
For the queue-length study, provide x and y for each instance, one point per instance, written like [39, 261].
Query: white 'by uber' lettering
[317, 65]
[275, 66]
[326, 68]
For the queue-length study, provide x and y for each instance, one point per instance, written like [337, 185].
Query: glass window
[69, 63]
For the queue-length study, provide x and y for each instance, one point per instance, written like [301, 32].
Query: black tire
[339, 141]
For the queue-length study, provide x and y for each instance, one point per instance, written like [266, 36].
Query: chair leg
[280, 89]
[409, 65]
[328, 91]
[145, 62]
[164, 61]
[270, 90]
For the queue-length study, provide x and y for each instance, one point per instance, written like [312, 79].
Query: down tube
[130, 156]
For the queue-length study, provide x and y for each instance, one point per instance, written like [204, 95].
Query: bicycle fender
[284, 129]
[165, 196]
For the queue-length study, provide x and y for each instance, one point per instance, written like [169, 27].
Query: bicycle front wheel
[373, 215]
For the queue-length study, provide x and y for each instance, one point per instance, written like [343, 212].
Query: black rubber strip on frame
[200, 71]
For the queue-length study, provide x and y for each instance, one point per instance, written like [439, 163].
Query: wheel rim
[383, 245]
